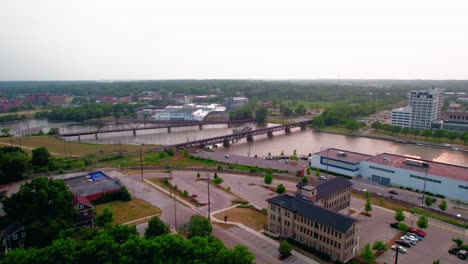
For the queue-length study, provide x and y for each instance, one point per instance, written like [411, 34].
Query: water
[303, 142]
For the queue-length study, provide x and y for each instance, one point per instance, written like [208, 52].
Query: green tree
[199, 226]
[317, 172]
[422, 222]
[198, 174]
[305, 180]
[308, 171]
[285, 248]
[280, 189]
[436, 261]
[185, 153]
[45, 206]
[451, 135]
[379, 246]
[268, 179]
[261, 114]
[403, 227]
[367, 195]
[399, 215]
[156, 227]
[40, 157]
[367, 254]
[300, 110]
[368, 205]
[5, 132]
[443, 205]
[105, 217]
[426, 133]
[14, 164]
[439, 133]
[218, 180]
[428, 201]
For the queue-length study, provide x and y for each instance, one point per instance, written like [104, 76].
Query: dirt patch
[246, 216]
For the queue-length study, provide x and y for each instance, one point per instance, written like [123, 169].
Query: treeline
[12, 117]
[88, 111]
[428, 133]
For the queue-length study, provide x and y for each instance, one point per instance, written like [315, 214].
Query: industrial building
[391, 169]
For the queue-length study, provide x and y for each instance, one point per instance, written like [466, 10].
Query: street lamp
[208, 182]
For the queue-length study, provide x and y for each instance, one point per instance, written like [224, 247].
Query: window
[381, 169]
[463, 187]
[15, 236]
[427, 179]
[273, 208]
[23, 234]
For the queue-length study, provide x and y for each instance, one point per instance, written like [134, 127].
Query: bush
[185, 193]
[285, 248]
[239, 202]
[220, 167]
[218, 180]
[280, 189]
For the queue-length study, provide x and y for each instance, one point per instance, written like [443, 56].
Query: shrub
[185, 193]
[280, 189]
[264, 211]
[285, 248]
[218, 180]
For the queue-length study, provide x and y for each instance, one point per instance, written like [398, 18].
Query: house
[14, 236]
[333, 193]
[86, 211]
[299, 218]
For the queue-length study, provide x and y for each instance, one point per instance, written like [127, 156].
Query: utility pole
[141, 165]
[396, 256]
[424, 189]
[175, 199]
[209, 207]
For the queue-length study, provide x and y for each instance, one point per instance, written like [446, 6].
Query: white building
[390, 169]
[401, 117]
[426, 107]
[189, 112]
[235, 102]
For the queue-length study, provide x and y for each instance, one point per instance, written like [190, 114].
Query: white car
[399, 248]
[409, 239]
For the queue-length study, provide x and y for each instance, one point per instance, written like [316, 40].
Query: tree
[5, 132]
[300, 110]
[285, 248]
[280, 188]
[452, 135]
[218, 180]
[199, 226]
[422, 222]
[156, 227]
[443, 205]
[426, 133]
[261, 114]
[14, 164]
[317, 172]
[367, 195]
[399, 215]
[428, 201]
[379, 246]
[308, 171]
[105, 217]
[403, 227]
[436, 261]
[305, 180]
[40, 157]
[368, 205]
[439, 133]
[198, 174]
[367, 254]
[268, 179]
[45, 206]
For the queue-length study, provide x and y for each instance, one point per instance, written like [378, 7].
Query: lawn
[382, 203]
[246, 216]
[338, 130]
[58, 146]
[128, 211]
[158, 159]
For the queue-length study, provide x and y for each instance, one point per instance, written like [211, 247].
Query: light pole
[208, 182]
[424, 188]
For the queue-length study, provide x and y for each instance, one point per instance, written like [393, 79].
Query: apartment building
[299, 218]
[426, 106]
[333, 193]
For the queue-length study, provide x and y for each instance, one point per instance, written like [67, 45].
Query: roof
[350, 157]
[93, 183]
[331, 185]
[12, 228]
[83, 200]
[435, 168]
[305, 207]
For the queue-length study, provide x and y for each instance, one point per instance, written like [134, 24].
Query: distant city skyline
[207, 39]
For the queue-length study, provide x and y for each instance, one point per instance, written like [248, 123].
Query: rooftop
[435, 168]
[305, 207]
[331, 185]
[92, 183]
[349, 156]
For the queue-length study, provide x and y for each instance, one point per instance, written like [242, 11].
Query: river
[303, 141]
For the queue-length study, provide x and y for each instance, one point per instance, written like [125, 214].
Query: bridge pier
[287, 130]
[250, 138]
[226, 143]
[270, 134]
[96, 136]
[134, 132]
[200, 127]
[79, 138]
[169, 130]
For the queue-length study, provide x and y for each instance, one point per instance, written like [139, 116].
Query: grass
[419, 138]
[246, 216]
[128, 211]
[58, 145]
[158, 159]
[386, 204]
[189, 198]
[338, 130]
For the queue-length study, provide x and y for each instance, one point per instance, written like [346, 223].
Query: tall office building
[423, 108]
[426, 107]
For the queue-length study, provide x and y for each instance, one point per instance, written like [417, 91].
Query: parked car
[399, 248]
[462, 254]
[417, 232]
[434, 200]
[226, 156]
[395, 225]
[404, 243]
[411, 240]
[420, 196]
[323, 177]
[393, 192]
[415, 236]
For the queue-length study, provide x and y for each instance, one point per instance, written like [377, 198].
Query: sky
[235, 39]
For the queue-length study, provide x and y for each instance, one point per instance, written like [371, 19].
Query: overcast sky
[171, 39]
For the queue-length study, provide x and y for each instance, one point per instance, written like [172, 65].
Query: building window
[382, 169]
[23, 234]
[427, 179]
[463, 187]
[15, 236]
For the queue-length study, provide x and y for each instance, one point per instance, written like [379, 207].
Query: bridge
[236, 136]
[134, 126]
